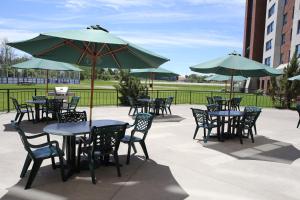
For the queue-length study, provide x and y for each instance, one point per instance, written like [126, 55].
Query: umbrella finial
[235, 53]
[97, 27]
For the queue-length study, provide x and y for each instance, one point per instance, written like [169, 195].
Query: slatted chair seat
[46, 152]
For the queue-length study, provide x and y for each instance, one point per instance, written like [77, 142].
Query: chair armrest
[49, 143]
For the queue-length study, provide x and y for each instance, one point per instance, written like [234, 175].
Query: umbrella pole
[92, 89]
[47, 87]
[230, 94]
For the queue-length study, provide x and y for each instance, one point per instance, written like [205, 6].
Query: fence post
[211, 94]
[175, 97]
[256, 99]
[156, 93]
[190, 96]
[8, 102]
[35, 92]
[117, 98]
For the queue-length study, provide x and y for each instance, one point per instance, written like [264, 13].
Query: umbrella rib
[98, 53]
[51, 48]
[140, 58]
[83, 53]
[113, 56]
[114, 51]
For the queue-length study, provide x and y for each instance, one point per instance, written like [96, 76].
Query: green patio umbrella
[295, 78]
[90, 47]
[153, 73]
[223, 78]
[235, 65]
[37, 63]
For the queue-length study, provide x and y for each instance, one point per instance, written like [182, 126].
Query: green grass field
[106, 95]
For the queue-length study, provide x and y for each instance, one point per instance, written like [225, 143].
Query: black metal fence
[109, 97]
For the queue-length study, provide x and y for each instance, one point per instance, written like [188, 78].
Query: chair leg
[116, 157]
[143, 145]
[240, 131]
[34, 170]
[196, 131]
[78, 157]
[26, 165]
[21, 117]
[251, 134]
[62, 168]
[17, 116]
[128, 153]
[130, 110]
[207, 136]
[92, 168]
[64, 144]
[32, 116]
[298, 123]
[256, 130]
[28, 116]
[53, 163]
[170, 110]
[133, 147]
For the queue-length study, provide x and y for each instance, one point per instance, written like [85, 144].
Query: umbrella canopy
[295, 78]
[150, 72]
[225, 78]
[236, 65]
[89, 47]
[82, 46]
[37, 63]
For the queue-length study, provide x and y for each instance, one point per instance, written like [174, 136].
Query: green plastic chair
[22, 109]
[253, 109]
[247, 123]
[203, 121]
[72, 105]
[104, 141]
[39, 152]
[142, 124]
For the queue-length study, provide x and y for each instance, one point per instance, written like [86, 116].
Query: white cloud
[190, 40]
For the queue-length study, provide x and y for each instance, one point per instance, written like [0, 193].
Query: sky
[188, 32]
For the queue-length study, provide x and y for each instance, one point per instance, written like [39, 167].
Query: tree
[282, 89]
[129, 86]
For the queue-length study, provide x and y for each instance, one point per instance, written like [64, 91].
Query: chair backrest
[107, 139]
[217, 98]
[143, 123]
[201, 117]
[71, 117]
[210, 100]
[54, 105]
[16, 104]
[169, 101]
[159, 102]
[236, 101]
[23, 137]
[74, 102]
[130, 100]
[39, 98]
[212, 107]
[251, 114]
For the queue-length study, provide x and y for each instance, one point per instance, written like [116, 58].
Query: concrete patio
[179, 167]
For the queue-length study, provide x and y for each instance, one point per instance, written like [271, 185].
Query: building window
[281, 58]
[298, 27]
[268, 61]
[283, 39]
[284, 18]
[298, 50]
[271, 10]
[269, 45]
[285, 2]
[270, 28]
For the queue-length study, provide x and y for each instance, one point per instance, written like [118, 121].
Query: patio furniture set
[219, 114]
[86, 144]
[150, 105]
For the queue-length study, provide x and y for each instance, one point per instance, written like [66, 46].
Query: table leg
[218, 127]
[223, 127]
[37, 112]
[70, 155]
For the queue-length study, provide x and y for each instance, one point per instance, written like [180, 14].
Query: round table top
[78, 128]
[36, 101]
[224, 113]
[146, 100]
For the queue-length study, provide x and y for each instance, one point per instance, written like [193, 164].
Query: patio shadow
[263, 149]
[27, 126]
[140, 180]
